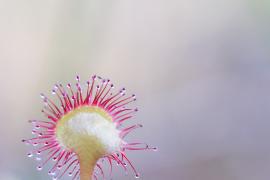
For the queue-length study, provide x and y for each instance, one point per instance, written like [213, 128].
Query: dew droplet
[39, 168]
[30, 154]
[32, 121]
[137, 176]
[51, 173]
[42, 95]
[70, 174]
[53, 92]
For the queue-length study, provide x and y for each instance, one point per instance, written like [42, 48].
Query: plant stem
[87, 165]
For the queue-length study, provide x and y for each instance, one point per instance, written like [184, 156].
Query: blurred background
[200, 70]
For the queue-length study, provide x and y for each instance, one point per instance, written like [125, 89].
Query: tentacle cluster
[98, 92]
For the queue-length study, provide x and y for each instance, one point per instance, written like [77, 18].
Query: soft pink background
[200, 69]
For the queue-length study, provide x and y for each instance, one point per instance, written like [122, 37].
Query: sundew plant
[85, 129]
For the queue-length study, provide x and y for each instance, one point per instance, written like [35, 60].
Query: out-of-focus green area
[200, 70]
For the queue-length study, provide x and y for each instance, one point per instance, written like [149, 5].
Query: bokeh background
[200, 69]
